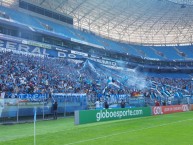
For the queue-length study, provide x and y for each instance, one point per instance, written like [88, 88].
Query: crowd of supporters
[26, 74]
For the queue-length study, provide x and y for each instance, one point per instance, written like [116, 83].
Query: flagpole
[34, 125]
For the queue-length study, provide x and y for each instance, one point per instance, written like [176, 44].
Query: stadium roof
[134, 21]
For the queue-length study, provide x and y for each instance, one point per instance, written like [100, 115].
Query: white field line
[129, 131]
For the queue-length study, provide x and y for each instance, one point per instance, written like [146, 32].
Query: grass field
[172, 129]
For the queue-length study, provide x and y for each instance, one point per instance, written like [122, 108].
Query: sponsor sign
[157, 110]
[81, 117]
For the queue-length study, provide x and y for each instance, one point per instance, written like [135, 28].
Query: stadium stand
[69, 31]
[172, 54]
[119, 71]
[187, 50]
[29, 74]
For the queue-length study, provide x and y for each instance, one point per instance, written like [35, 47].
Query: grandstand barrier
[158, 110]
[20, 108]
[91, 116]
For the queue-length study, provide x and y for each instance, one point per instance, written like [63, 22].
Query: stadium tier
[168, 53]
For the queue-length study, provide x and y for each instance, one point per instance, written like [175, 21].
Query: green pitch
[173, 129]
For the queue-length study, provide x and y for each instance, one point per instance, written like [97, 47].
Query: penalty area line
[129, 131]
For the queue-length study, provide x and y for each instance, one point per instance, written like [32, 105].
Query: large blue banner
[38, 50]
[28, 47]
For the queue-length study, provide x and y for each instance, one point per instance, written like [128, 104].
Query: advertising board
[89, 116]
[157, 110]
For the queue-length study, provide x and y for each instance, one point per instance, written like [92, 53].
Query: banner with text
[157, 110]
[81, 117]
